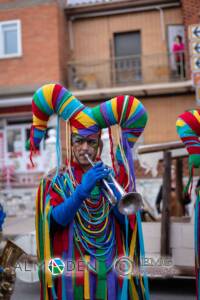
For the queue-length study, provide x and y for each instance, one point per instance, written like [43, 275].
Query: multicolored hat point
[188, 128]
[84, 123]
[48, 100]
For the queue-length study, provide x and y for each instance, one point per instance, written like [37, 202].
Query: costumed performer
[188, 128]
[74, 220]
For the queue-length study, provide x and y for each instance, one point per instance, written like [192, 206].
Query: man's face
[82, 145]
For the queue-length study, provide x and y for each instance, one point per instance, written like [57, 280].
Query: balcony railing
[127, 70]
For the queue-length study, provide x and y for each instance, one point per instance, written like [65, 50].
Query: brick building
[97, 49]
[100, 61]
[33, 51]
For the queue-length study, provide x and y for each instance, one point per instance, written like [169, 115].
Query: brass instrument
[129, 203]
[10, 255]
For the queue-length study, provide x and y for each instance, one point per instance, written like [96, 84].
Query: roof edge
[71, 10]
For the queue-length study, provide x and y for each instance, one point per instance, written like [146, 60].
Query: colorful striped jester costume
[188, 128]
[92, 235]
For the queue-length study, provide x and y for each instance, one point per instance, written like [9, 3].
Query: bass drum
[27, 268]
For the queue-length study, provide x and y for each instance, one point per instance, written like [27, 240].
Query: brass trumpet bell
[130, 203]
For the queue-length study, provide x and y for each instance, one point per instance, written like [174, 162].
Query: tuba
[128, 203]
[10, 255]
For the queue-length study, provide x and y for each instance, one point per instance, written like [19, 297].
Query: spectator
[176, 208]
[178, 52]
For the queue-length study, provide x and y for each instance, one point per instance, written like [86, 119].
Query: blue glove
[90, 178]
[2, 216]
[65, 212]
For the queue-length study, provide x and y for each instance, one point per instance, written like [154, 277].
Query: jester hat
[188, 128]
[126, 111]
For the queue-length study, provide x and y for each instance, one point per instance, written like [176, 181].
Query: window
[127, 48]
[14, 142]
[10, 39]
[13, 150]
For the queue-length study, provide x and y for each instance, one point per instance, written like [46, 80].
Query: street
[168, 289]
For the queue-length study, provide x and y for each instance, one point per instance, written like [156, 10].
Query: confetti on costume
[94, 236]
[188, 128]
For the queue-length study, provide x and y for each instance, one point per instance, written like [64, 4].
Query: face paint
[82, 145]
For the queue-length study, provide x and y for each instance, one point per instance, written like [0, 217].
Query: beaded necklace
[94, 228]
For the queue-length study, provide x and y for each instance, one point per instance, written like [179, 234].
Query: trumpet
[128, 203]
[10, 255]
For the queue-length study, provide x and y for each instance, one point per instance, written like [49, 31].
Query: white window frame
[25, 153]
[24, 158]
[22, 128]
[19, 39]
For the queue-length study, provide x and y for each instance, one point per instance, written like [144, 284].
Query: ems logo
[56, 266]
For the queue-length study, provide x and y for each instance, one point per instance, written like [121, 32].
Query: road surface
[160, 289]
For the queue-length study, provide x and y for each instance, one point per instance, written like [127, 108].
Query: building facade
[98, 49]
[127, 47]
[33, 51]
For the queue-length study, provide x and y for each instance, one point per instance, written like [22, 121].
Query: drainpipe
[71, 36]
[162, 22]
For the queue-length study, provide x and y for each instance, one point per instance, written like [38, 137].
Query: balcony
[126, 71]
